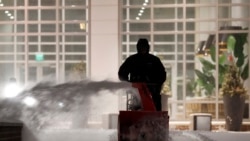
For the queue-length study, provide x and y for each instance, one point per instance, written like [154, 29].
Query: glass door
[37, 73]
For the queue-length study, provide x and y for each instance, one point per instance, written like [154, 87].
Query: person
[145, 68]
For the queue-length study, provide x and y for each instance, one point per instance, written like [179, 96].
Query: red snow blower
[145, 123]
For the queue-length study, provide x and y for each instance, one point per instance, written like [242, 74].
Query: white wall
[104, 51]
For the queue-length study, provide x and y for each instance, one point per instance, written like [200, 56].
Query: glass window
[75, 14]
[73, 2]
[42, 31]
[32, 15]
[136, 13]
[48, 48]
[48, 28]
[176, 29]
[77, 27]
[167, 1]
[32, 28]
[32, 2]
[48, 2]
[139, 27]
[135, 2]
[164, 13]
[48, 15]
[164, 26]
[33, 48]
[75, 48]
[48, 38]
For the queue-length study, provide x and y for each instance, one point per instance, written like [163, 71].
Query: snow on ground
[111, 135]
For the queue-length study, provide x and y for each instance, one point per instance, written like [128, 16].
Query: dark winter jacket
[143, 68]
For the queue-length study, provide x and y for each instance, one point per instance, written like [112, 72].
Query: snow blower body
[143, 123]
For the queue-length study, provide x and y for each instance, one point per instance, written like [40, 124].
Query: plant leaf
[231, 41]
[245, 74]
[213, 52]
[222, 59]
[207, 65]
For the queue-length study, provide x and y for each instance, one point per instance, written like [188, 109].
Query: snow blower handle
[146, 98]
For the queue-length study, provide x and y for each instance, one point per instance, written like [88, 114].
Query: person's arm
[162, 72]
[124, 71]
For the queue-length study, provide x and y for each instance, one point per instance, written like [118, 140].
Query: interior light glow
[11, 17]
[145, 4]
[30, 101]
[82, 26]
[9, 14]
[141, 11]
[11, 90]
[1, 4]
[6, 12]
[139, 14]
[137, 18]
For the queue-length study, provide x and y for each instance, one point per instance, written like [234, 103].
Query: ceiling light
[137, 18]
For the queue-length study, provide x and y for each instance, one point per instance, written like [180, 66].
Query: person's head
[142, 46]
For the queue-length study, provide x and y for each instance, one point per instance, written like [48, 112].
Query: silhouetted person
[147, 68]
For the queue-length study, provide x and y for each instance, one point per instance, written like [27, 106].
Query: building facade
[47, 39]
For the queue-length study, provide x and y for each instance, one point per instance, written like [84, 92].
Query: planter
[201, 105]
[234, 110]
[164, 101]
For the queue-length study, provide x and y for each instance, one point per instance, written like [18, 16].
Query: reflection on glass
[137, 14]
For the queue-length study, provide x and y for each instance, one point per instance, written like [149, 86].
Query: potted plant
[232, 88]
[231, 61]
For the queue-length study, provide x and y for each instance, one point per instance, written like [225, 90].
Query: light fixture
[223, 41]
[82, 26]
[201, 49]
[210, 42]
